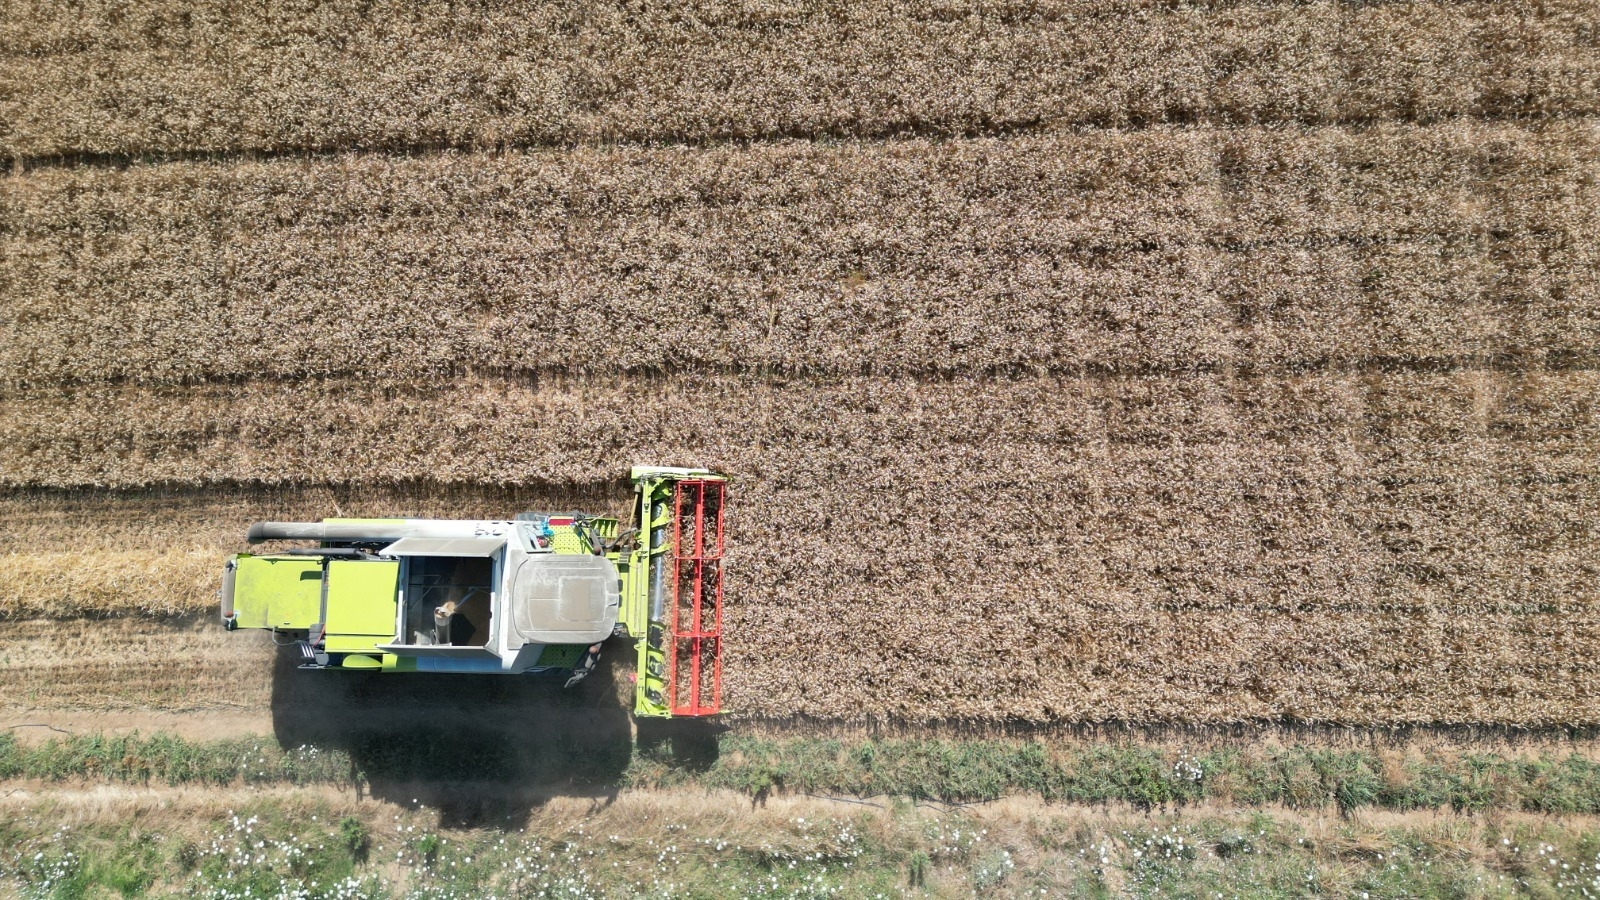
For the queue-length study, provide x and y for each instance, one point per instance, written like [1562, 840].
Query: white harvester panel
[460, 547]
[561, 599]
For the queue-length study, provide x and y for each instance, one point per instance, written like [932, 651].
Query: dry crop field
[1073, 361]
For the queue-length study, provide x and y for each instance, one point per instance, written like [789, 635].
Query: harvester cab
[536, 594]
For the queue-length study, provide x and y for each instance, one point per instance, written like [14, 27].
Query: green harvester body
[534, 595]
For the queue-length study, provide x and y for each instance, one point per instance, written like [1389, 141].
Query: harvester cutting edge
[536, 594]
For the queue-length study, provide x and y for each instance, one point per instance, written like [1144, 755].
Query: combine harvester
[534, 595]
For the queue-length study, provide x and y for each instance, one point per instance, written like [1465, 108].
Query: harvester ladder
[694, 659]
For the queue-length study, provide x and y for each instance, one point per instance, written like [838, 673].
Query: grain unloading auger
[537, 594]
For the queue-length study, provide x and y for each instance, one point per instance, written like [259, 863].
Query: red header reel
[694, 619]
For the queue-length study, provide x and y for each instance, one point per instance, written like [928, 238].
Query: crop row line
[886, 133]
[13, 387]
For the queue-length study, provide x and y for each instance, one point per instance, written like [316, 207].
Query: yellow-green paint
[362, 597]
[565, 538]
[283, 592]
[393, 663]
[561, 656]
[361, 662]
[356, 643]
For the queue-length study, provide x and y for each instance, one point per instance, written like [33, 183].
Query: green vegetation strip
[163, 758]
[1295, 776]
[943, 770]
[288, 848]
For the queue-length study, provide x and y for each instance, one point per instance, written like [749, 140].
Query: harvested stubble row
[143, 665]
[1403, 547]
[160, 546]
[1155, 250]
[180, 76]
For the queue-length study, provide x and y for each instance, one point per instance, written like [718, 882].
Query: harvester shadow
[483, 750]
[684, 745]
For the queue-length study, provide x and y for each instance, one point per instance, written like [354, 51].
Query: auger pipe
[347, 532]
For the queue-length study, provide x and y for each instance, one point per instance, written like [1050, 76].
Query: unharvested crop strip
[1134, 253]
[171, 77]
[1065, 549]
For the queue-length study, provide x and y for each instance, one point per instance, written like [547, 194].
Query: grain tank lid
[564, 599]
[458, 547]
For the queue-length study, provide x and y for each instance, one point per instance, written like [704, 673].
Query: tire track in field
[185, 665]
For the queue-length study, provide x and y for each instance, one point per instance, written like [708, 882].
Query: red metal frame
[696, 592]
